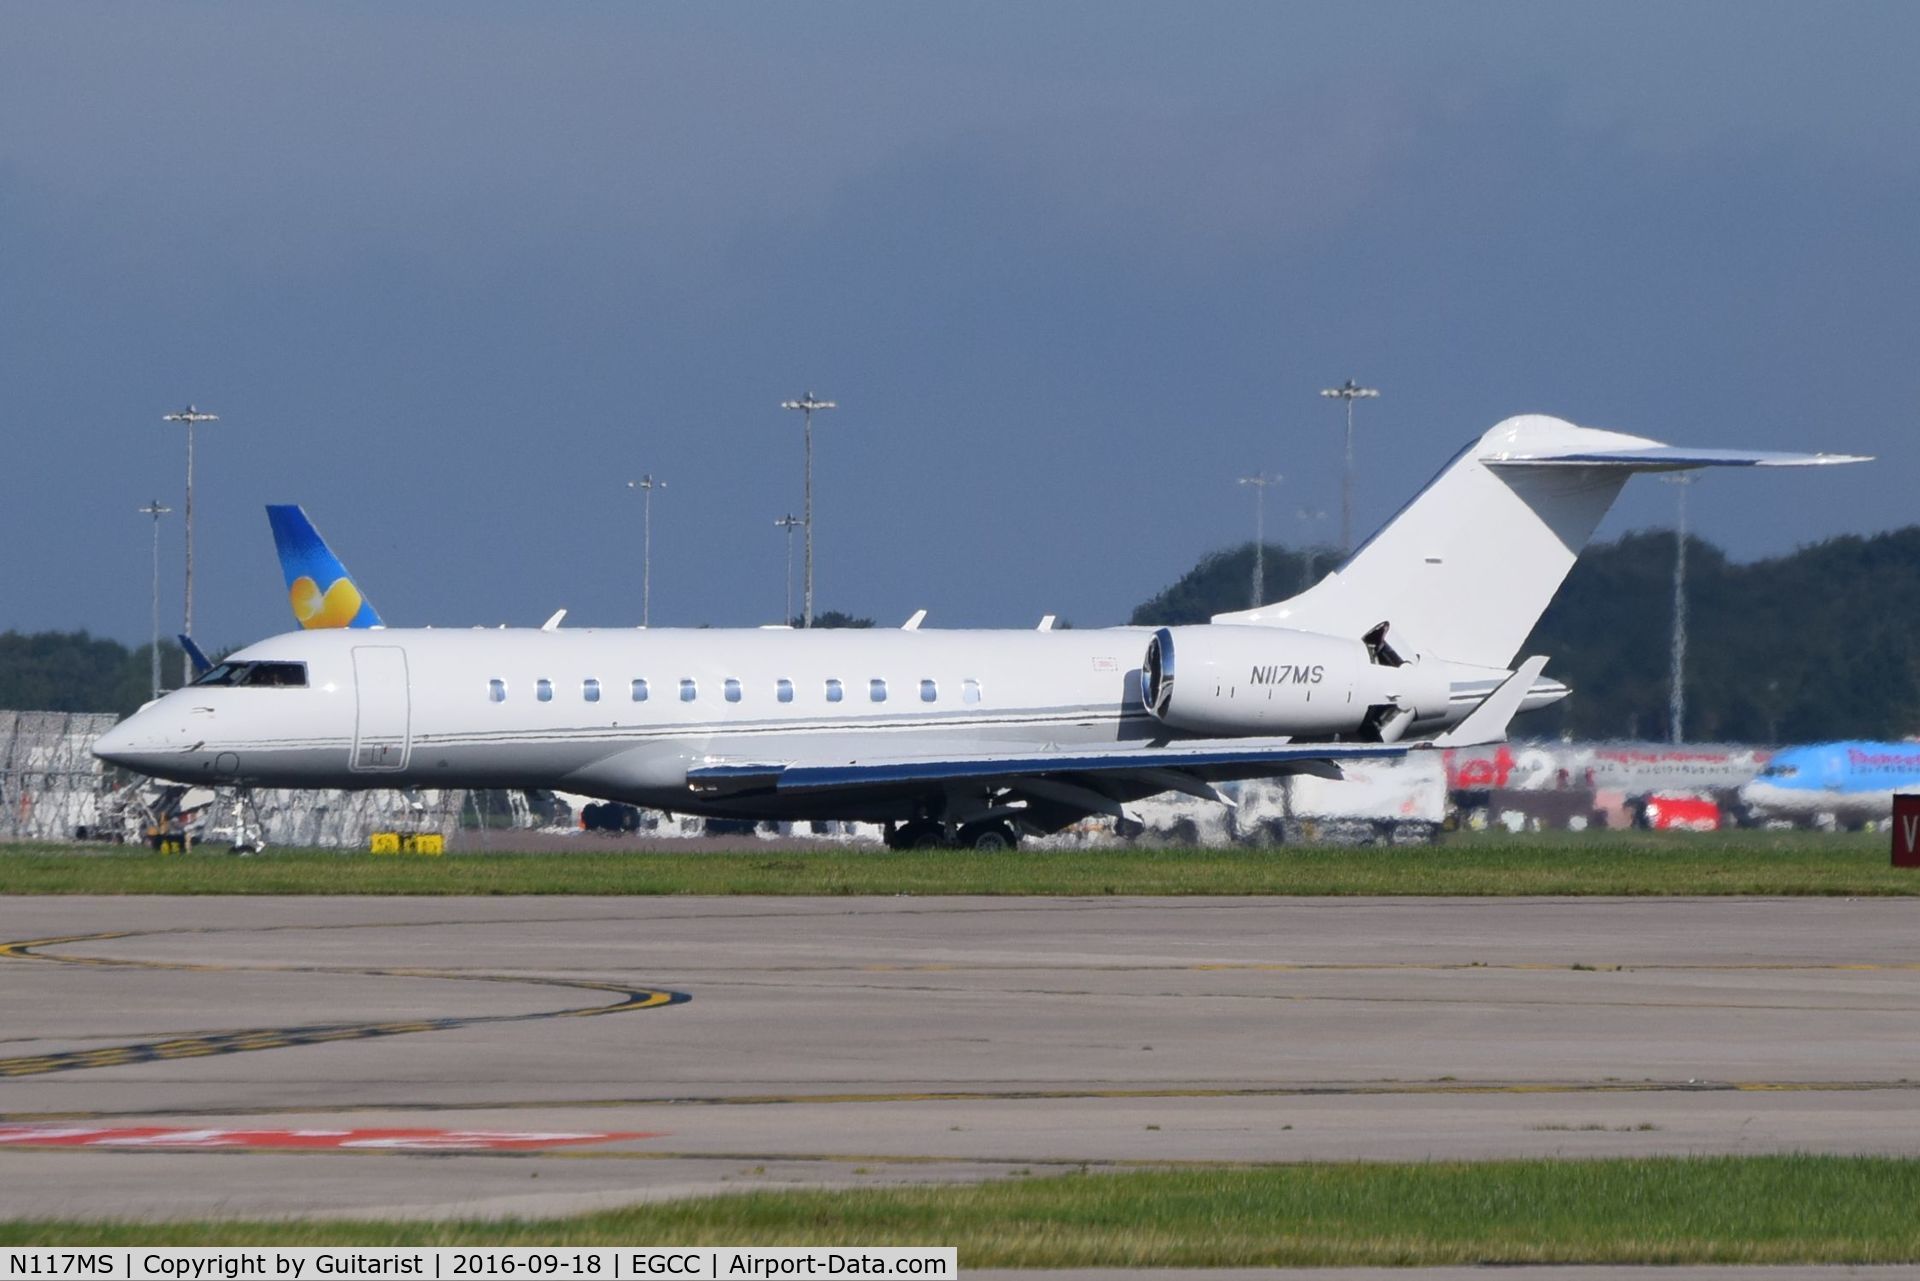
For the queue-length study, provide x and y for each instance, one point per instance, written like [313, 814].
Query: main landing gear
[987, 836]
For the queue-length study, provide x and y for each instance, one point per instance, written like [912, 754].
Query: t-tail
[319, 588]
[1464, 570]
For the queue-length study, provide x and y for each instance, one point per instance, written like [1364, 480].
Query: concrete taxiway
[731, 1043]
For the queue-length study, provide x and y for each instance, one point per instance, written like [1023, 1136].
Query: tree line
[75, 672]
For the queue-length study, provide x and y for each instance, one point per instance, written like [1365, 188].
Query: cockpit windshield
[285, 675]
[1779, 771]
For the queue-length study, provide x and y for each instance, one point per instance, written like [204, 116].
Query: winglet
[913, 624]
[1487, 723]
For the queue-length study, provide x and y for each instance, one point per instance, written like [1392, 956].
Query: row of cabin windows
[836, 690]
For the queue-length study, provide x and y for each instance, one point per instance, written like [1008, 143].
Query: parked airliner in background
[1846, 784]
[948, 736]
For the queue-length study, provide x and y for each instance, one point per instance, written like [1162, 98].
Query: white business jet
[948, 737]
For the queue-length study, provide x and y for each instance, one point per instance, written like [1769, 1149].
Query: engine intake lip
[1156, 673]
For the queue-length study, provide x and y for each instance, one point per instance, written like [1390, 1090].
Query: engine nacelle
[1228, 679]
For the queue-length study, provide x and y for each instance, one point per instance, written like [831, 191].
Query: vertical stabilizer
[319, 588]
[1465, 570]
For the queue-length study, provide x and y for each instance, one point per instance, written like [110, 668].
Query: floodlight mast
[1305, 516]
[789, 522]
[1677, 658]
[192, 417]
[1260, 483]
[806, 405]
[646, 485]
[155, 510]
[1348, 391]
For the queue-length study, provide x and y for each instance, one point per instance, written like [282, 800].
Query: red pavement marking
[153, 1136]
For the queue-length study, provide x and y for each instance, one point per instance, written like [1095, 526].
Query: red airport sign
[1906, 831]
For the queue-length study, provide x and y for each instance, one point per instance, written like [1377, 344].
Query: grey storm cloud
[450, 272]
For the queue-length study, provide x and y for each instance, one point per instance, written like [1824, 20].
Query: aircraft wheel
[988, 837]
[921, 834]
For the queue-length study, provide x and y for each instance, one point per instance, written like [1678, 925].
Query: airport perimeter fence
[53, 788]
[51, 784]
[347, 820]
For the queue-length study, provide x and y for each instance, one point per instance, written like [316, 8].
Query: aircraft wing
[1197, 759]
[1081, 779]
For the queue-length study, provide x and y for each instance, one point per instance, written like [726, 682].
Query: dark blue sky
[452, 274]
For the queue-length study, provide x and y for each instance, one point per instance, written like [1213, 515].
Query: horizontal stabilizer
[1671, 458]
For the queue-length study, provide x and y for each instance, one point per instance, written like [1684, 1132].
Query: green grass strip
[1679, 1210]
[1764, 863]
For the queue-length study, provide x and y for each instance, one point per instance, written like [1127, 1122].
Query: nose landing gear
[249, 833]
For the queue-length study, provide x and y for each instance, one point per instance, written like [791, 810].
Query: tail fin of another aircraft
[1465, 570]
[318, 586]
[195, 655]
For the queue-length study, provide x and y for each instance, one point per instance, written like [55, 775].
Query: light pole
[1306, 518]
[806, 405]
[155, 510]
[789, 522]
[1259, 483]
[646, 485]
[1676, 679]
[192, 418]
[1348, 391]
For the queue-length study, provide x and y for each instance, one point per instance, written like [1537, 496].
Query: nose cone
[147, 742]
[115, 747]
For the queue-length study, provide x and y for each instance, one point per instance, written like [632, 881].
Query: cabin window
[929, 692]
[639, 689]
[496, 691]
[835, 691]
[877, 690]
[688, 690]
[783, 690]
[969, 691]
[590, 689]
[543, 690]
[732, 690]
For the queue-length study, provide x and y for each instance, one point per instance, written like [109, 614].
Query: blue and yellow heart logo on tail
[335, 607]
[307, 562]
